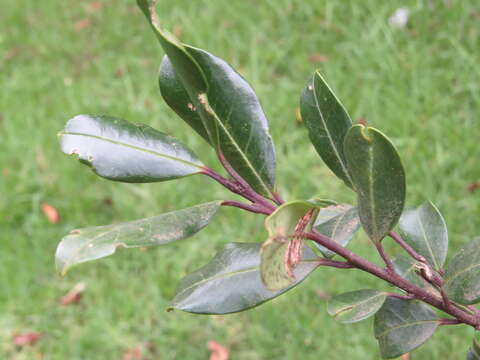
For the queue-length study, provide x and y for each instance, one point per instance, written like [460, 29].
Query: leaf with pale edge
[462, 275]
[119, 150]
[339, 223]
[327, 122]
[378, 178]
[279, 248]
[356, 305]
[97, 242]
[232, 282]
[400, 326]
[217, 103]
[425, 230]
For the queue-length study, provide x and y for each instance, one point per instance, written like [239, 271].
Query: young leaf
[355, 306]
[327, 122]
[403, 325]
[406, 267]
[282, 249]
[119, 150]
[97, 242]
[425, 230]
[232, 283]
[378, 177]
[462, 275]
[228, 113]
[339, 223]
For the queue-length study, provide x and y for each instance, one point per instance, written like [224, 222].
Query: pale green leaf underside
[97, 242]
[356, 305]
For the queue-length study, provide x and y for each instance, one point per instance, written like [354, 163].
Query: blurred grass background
[420, 85]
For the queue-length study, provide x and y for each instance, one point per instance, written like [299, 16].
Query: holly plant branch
[300, 235]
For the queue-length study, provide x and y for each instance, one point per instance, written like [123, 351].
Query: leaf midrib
[413, 323]
[200, 167]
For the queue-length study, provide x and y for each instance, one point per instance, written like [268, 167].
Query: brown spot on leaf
[27, 338]
[51, 213]
[217, 351]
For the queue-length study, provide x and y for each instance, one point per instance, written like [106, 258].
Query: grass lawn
[419, 85]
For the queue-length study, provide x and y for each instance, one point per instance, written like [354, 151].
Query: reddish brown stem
[407, 247]
[254, 208]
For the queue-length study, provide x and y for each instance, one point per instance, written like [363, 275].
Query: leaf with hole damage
[119, 150]
[356, 305]
[425, 230]
[378, 178]
[282, 250]
[327, 122]
[231, 282]
[462, 275]
[97, 242]
[400, 326]
[219, 104]
[339, 223]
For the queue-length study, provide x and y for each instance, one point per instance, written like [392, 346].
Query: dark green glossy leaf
[355, 306]
[232, 283]
[339, 223]
[462, 275]
[223, 109]
[425, 230]
[327, 122]
[474, 351]
[400, 326]
[378, 178]
[406, 267]
[97, 242]
[119, 150]
[282, 249]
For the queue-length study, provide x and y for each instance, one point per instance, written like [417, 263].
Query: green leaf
[406, 267]
[97, 242]
[282, 249]
[339, 223]
[425, 230]
[355, 306]
[403, 325]
[327, 122]
[232, 283]
[119, 150]
[474, 351]
[378, 178]
[219, 104]
[462, 275]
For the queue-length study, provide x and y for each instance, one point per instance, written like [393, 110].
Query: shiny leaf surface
[219, 104]
[378, 178]
[355, 306]
[232, 283]
[339, 223]
[462, 275]
[400, 326]
[327, 122]
[97, 242]
[281, 246]
[119, 150]
[425, 230]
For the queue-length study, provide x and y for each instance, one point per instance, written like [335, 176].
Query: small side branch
[254, 208]
[445, 321]
[384, 256]
[407, 247]
[336, 264]
[401, 296]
